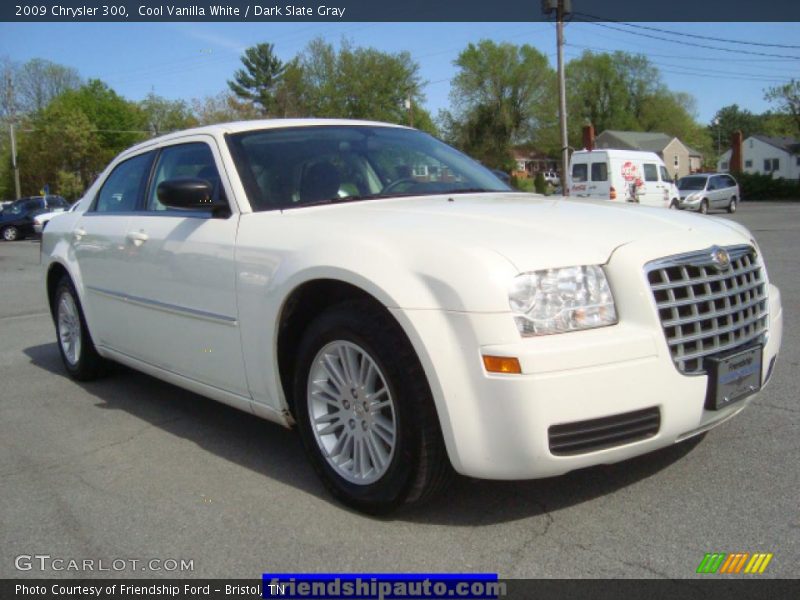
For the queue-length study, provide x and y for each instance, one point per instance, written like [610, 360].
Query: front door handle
[137, 237]
[78, 234]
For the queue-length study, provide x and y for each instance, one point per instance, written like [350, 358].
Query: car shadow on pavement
[276, 452]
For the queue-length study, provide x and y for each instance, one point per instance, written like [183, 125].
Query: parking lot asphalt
[130, 467]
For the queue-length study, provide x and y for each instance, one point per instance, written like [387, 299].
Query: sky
[191, 60]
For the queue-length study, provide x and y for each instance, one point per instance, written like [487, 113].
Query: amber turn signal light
[502, 364]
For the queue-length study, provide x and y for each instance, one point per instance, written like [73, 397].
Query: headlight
[560, 300]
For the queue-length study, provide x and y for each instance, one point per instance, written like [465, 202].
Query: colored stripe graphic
[758, 563]
[732, 563]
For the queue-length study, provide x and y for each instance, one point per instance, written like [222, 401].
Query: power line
[684, 43]
[693, 35]
[685, 57]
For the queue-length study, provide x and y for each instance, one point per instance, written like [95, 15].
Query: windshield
[692, 183]
[302, 166]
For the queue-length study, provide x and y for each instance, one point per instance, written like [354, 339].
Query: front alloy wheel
[352, 411]
[365, 411]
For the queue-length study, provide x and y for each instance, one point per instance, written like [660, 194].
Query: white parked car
[299, 270]
[40, 221]
[704, 191]
[623, 175]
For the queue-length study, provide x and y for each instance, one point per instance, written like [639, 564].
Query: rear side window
[123, 188]
[729, 181]
[579, 172]
[650, 172]
[193, 160]
[599, 172]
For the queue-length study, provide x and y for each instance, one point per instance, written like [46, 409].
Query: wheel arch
[301, 306]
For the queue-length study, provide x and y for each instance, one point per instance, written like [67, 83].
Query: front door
[181, 279]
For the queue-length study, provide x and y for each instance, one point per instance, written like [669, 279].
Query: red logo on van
[629, 171]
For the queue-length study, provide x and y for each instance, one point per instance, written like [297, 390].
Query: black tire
[11, 233]
[732, 205]
[419, 467]
[674, 204]
[87, 364]
[703, 210]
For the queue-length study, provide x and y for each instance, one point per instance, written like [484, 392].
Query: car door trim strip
[166, 307]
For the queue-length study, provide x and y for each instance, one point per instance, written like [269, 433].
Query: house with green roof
[680, 159]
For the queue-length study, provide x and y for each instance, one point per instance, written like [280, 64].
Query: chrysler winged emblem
[720, 258]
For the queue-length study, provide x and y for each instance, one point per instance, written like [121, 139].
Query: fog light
[502, 364]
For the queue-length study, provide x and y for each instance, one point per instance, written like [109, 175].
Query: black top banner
[397, 11]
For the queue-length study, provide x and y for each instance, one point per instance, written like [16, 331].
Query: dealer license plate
[733, 377]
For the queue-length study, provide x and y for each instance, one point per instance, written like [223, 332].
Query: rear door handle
[137, 237]
[78, 234]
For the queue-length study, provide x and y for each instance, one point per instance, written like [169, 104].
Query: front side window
[579, 171]
[193, 160]
[599, 172]
[124, 186]
[650, 172]
[299, 166]
[665, 175]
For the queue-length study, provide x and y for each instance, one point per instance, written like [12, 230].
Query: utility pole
[410, 108]
[11, 103]
[14, 165]
[562, 98]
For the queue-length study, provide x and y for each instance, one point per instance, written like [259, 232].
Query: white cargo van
[622, 175]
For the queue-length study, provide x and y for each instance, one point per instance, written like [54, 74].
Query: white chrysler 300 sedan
[407, 311]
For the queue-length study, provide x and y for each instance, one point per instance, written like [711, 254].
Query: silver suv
[704, 191]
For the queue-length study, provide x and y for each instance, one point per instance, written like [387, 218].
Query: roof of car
[240, 126]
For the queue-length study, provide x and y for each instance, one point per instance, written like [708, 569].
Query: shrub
[758, 186]
[539, 184]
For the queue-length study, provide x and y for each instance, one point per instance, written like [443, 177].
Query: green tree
[78, 133]
[258, 81]
[222, 108]
[351, 82]
[502, 95]
[787, 97]
[162, 115]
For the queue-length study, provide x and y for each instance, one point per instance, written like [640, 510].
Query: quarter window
[193, 160]
[599, 172]
[122, 189]
[650, 172]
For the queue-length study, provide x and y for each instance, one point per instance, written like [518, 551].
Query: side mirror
[189, 193]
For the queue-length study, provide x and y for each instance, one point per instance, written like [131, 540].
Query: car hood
[529, 230]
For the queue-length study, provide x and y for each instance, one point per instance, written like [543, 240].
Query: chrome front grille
[705, 309]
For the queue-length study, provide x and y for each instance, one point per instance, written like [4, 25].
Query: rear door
[102, 251]
[579, 177]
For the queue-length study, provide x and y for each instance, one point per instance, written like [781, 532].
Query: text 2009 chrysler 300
[408, 311]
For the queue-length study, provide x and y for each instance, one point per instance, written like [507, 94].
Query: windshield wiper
[472, 190]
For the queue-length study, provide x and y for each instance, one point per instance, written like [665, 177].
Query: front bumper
[496, 426]
[693, 204]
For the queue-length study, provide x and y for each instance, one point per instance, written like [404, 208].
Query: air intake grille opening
[582, 437]
[706, 311]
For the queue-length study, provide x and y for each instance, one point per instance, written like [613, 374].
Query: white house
[778, 156]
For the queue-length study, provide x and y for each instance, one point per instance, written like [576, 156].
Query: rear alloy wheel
[365, 411]
[703, 207]
[10, 233]
[74, 342]
[732, 206]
